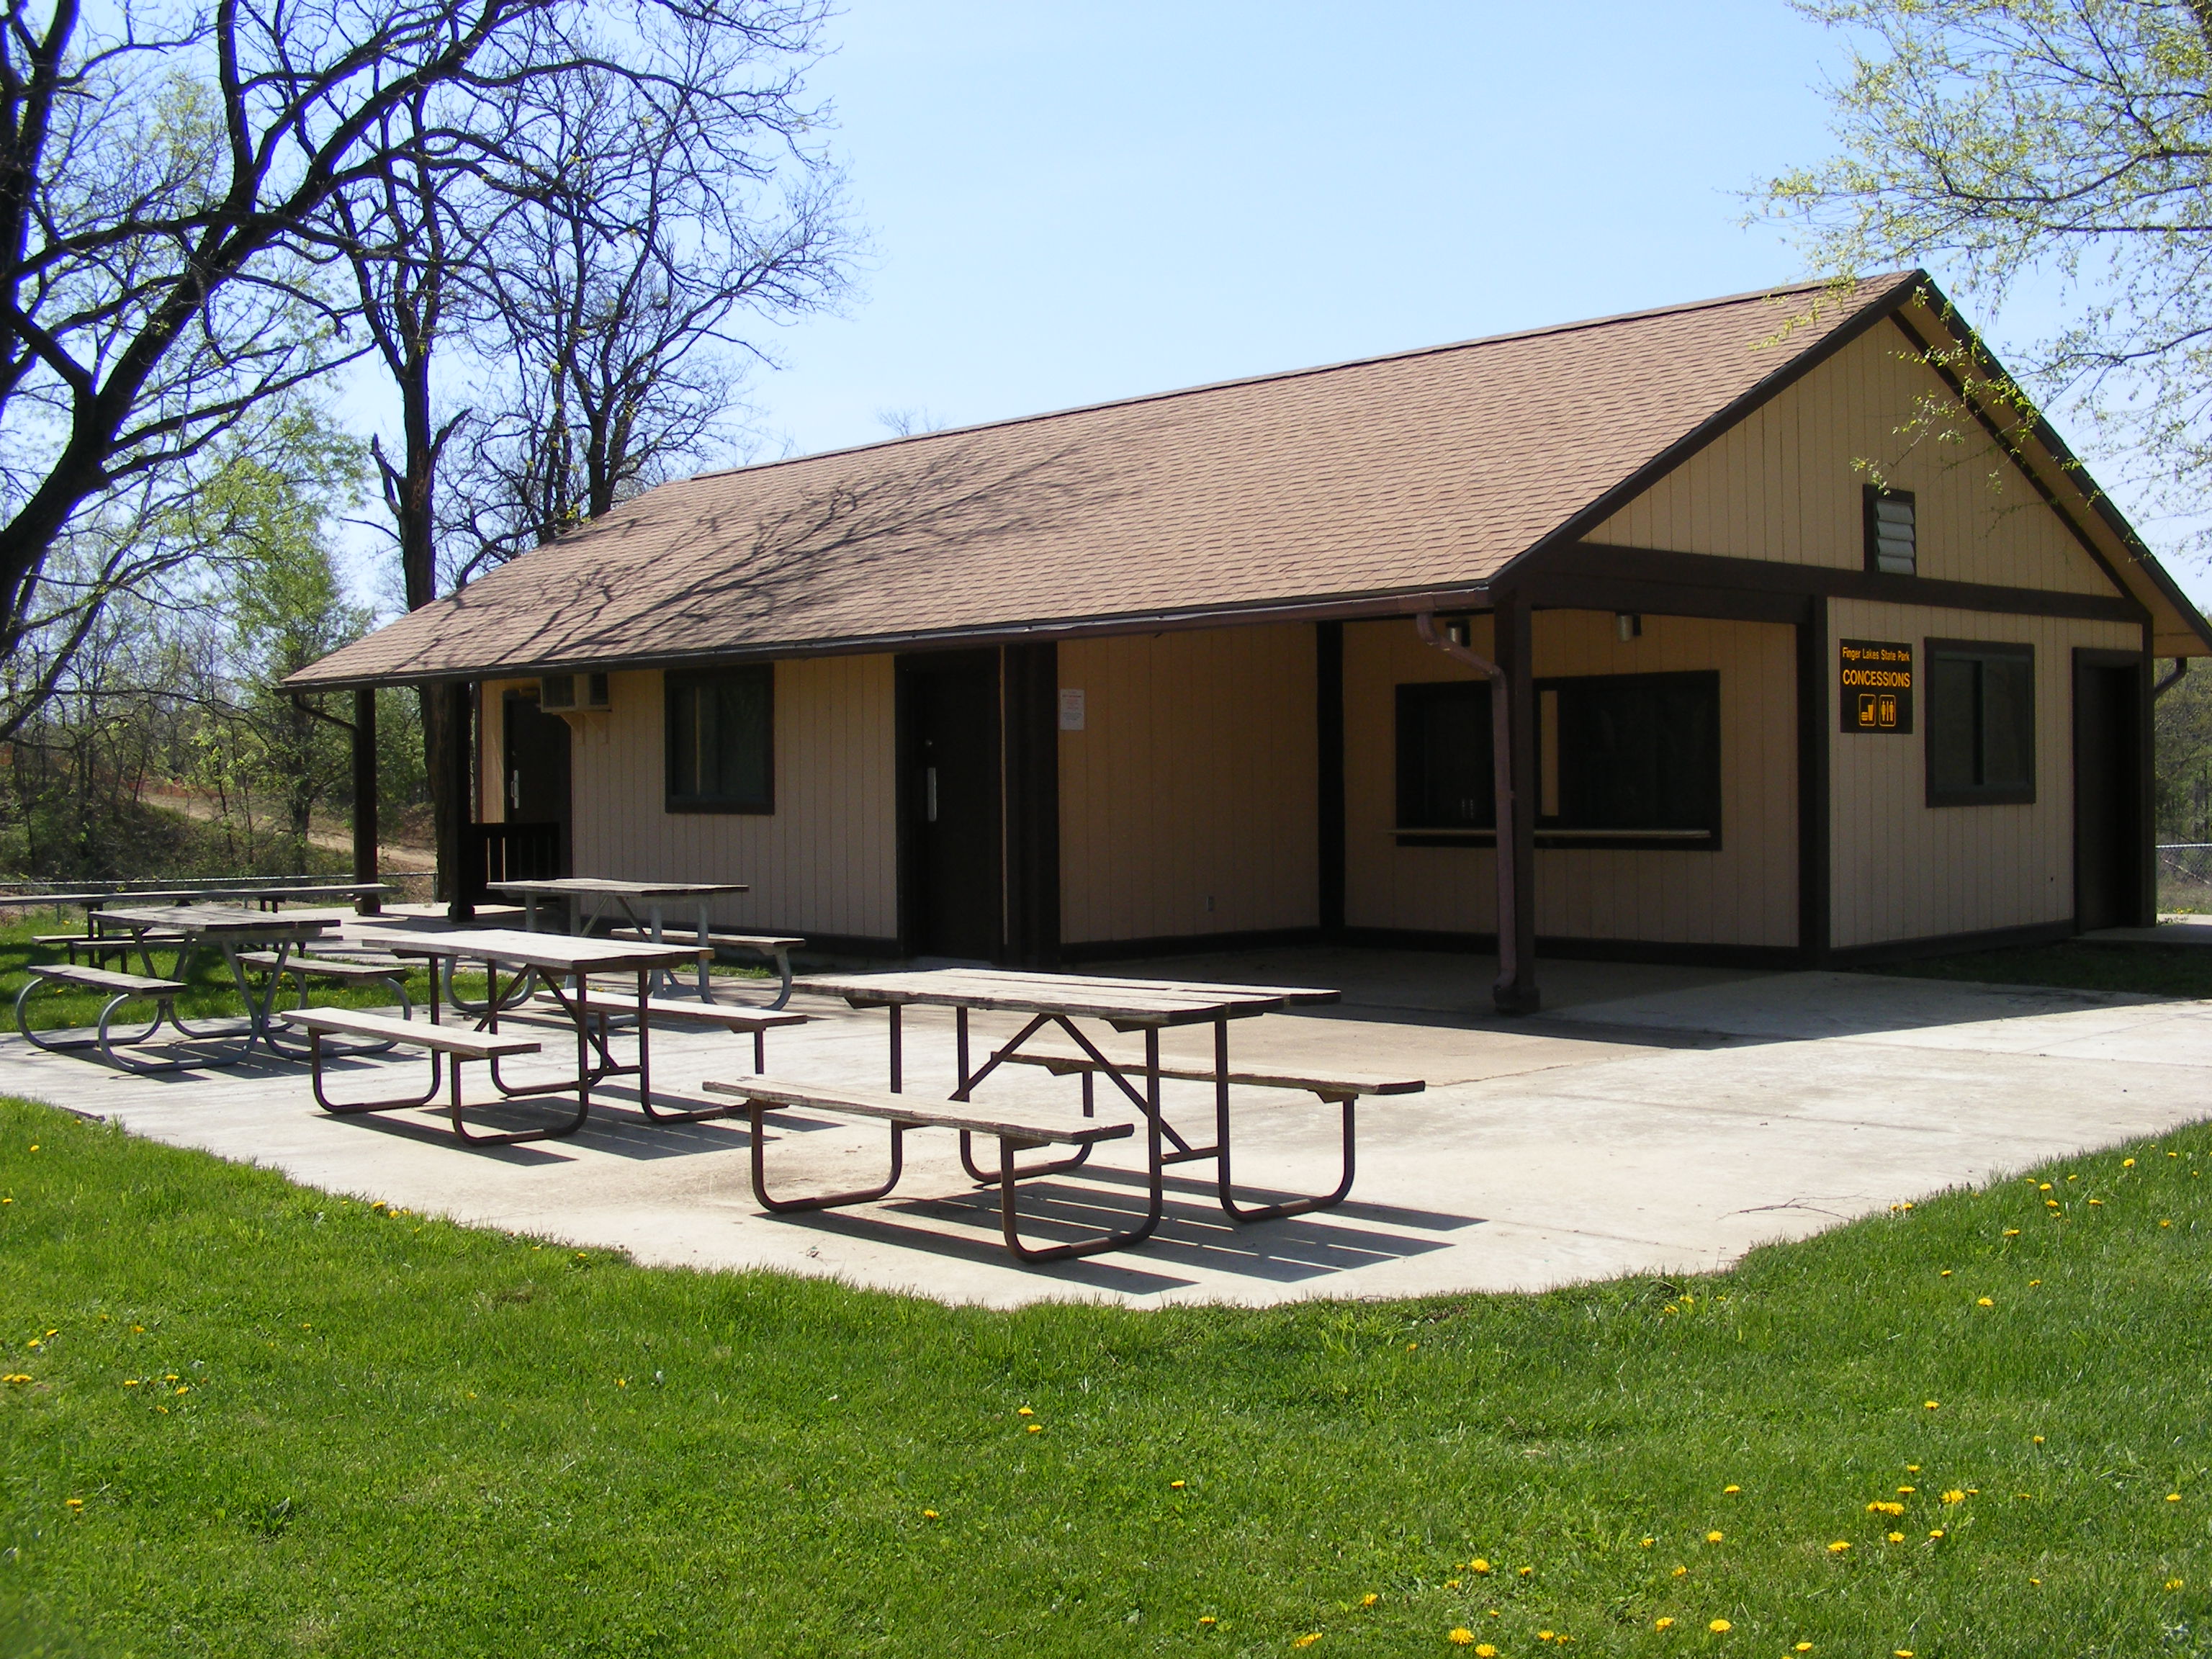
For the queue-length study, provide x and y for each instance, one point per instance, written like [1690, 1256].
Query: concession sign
[1876, 677]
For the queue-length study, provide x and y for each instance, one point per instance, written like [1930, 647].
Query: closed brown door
[535, 780]
[954, 900]
[2111, 840]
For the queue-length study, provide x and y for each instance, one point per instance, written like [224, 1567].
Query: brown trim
[2013, 795]
[1603, 562]
[1628, 841]
[1189, 945]
[1659, 596]
[1328, 728]
[1949, 944]
[2005, 442]
[1513, 759]
[1031, 728]
[1714, 425]
[1816, 827]
[2067, 463]
[680, 806]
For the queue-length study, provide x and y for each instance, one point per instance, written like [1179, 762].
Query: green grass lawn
[244, 1417]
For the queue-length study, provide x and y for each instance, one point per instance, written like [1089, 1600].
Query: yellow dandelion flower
[1024, 1411]
[1984, 1302]
[75, 1503]
[1804, 1647]
[1370, 1599]
[1912, 1468]
[1175, 1486]
[1307, 1640]
[2044, 1188]
[1713, 1538]
[2012, 1232]
[1720, 1627]
[2171, 1498]
[1544, 1636]
[1484, 1650]
[1460, 1636]
[1906, 1492]
[2033, 1282]
[1946, 1273]
[1930, 1405]
[2173, 1584]
[2096, 1203]
[930, 1514]
[1648, 1542]
[1478, 1565]
[1663, 1623]
[2037, 1438]
[1034, 1428]
[1726, 1489]
[2166, 1223]
[1839, 1547]
[1451, 1583]
[2127, 1164]
[1897, 1538]
[1936, 1532]
[1903, 1653]
[1525, 1571]
[1954, 1495]
[1207, 1619]
[1680, 1572]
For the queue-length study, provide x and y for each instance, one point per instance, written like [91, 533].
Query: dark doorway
[2111, 840]
[953, 902]
[536, 774]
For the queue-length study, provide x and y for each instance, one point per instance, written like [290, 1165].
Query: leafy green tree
[2065, 143]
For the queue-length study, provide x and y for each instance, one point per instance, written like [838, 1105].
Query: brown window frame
[1941, 791]
[676, 684]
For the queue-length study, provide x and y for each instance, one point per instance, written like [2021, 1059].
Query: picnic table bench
[448, 1045]
[1057, 1001]
[120, 988]
[777, 948]
[1015, 1130]
[756, 1021]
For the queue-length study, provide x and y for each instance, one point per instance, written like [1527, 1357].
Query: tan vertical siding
[1905, 870]
[1194, 779]
[824, 861]
[491, 747]
[1782, 484]
[1744, 893]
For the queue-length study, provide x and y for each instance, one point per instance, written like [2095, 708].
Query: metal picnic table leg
[581, 1012]
[1224, 1184]
[981, 1176]
[706, 963]
[1155, 1182]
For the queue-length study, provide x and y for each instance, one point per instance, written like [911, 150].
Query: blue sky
[1072, 203]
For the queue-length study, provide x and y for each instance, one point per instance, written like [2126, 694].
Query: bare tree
[649, 224]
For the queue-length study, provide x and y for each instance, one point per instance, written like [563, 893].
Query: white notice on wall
[1071, 709]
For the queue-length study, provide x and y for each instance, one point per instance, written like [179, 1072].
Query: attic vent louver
[1892, 535]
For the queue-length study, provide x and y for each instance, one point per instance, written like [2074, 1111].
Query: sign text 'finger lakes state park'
[1876, 677]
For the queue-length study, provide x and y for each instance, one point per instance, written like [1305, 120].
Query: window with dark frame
[1633, 754]
[1625, 759]
[1444, 747]
[721, 740]
[1980, 722]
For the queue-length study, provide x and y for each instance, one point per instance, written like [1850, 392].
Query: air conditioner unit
[573, 694]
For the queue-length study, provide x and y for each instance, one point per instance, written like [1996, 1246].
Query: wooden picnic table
[272, 897]
[229, 930]
[564, 964]
[1059, 1000]
[588, 900]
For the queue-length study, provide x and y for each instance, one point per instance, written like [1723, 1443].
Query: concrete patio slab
[1653, 1121]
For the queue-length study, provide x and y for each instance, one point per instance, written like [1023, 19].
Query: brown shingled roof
[1425, 471]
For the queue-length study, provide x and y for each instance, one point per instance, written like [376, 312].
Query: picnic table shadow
[1193, 1233]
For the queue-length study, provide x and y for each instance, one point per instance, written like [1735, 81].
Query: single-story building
[1765, 630]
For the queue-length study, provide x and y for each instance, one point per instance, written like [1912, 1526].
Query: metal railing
[2184, 875]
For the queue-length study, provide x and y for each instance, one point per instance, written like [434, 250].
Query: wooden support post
[1328, 731]
[365, 798]
[461, 882]
[1031, 699]
[1513, 731]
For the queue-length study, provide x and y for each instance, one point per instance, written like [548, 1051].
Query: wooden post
[460, 756]
[1030, 702]
[1513, 731]
[365, 798]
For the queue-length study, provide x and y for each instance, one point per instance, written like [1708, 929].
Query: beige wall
[1905, 870]
[825, 861]
[1188, 804]
[1782, 484]
[1744, 893]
